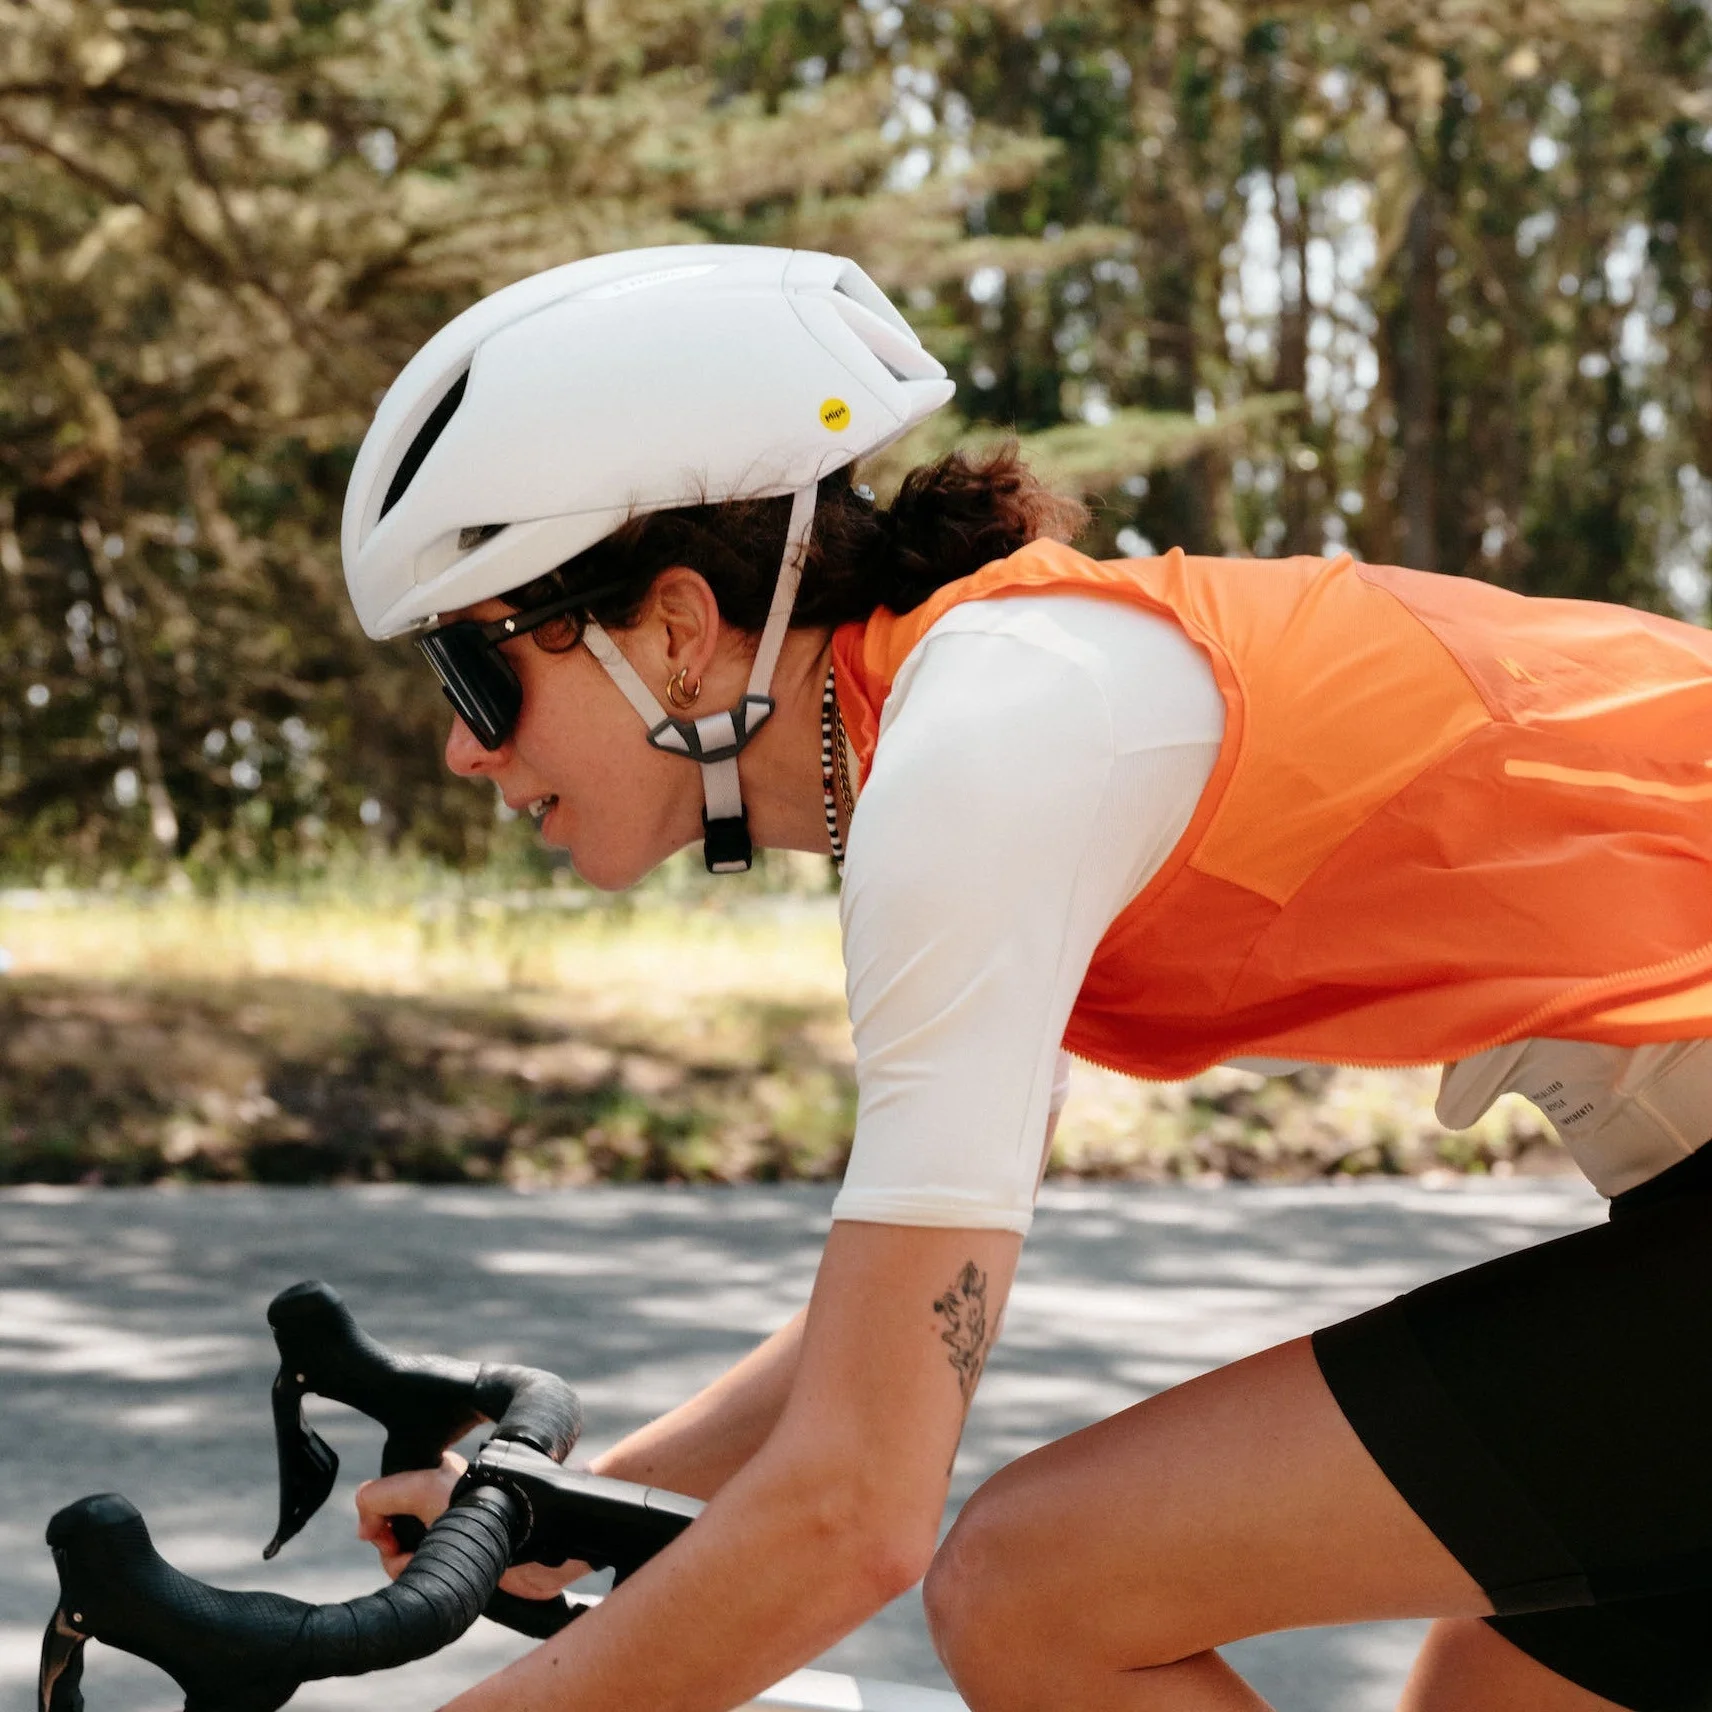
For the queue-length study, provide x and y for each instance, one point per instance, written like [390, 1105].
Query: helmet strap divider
[716, 739]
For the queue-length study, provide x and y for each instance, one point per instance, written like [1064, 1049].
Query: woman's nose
[465, 754]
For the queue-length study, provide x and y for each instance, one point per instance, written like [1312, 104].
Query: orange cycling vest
[1443, 816]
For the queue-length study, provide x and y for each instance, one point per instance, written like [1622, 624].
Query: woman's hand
[424, 1493]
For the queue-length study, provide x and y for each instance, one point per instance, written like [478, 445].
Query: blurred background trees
[1430, 280]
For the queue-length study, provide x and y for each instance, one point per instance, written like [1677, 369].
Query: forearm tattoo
[966, 1333]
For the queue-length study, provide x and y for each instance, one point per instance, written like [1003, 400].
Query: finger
[449, 1470]
[538, 1581]
[419, 1492]
[377, 1530]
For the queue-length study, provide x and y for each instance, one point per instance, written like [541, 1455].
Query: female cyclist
[1167, 812]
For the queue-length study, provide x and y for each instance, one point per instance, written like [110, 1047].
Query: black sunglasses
[477, 679]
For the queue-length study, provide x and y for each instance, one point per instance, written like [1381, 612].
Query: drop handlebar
[516, 1503]
[425, 1402]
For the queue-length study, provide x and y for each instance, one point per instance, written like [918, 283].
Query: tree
[1427, 278]
[228, 226]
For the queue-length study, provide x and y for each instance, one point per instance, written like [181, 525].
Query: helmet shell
[622, 384]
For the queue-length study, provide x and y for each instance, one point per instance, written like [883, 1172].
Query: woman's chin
[604, 882]
[605, 870]
[608, 864]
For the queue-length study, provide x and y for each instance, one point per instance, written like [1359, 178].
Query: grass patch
[450, 1038]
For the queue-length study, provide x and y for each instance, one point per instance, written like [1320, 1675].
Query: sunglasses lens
[478, 681]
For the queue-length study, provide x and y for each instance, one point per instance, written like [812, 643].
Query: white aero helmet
[543, 417]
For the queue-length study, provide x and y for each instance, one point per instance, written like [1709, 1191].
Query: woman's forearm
[779, 1567]
[698, 1446]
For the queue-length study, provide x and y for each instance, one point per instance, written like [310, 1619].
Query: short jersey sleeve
[1006, 821]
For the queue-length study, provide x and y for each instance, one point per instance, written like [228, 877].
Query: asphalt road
[134, 1357]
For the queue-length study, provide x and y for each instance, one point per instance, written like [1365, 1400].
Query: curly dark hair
[949, 519]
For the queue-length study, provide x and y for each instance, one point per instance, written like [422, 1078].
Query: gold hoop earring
[679, 691]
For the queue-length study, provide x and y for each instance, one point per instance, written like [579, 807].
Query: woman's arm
[696, 1447]
[836, 1512]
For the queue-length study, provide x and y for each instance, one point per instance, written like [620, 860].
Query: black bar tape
[532, 1407]
[248, 1652]
[438, 1596]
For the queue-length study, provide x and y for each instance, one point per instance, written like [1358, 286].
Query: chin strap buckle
[725, 843]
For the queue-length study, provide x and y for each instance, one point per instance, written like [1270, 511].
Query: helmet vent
[889, 340]
[891, 368]
[469, 538]
[423, 444]
[647, 281]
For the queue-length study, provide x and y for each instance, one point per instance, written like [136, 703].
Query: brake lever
[59, 1682]
[424, 1403]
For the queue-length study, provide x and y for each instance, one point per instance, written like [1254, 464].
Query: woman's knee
[1017, 1629]
[974, 1575]
[1010, 1573]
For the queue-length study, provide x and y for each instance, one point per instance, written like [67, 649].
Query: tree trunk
[1291, 371]
[163, 818]
[1418, 388]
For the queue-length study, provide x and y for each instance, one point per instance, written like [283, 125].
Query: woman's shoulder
[1054, 619]
[1028, 656]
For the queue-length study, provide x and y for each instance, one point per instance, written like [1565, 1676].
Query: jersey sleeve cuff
[934, 1210]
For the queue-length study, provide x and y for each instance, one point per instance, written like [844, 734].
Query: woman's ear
[685, 619]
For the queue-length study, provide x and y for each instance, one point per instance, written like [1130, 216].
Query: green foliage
[304, 1080]
[1429, 278]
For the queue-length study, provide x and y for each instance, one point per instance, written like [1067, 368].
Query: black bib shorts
[1549, 1416]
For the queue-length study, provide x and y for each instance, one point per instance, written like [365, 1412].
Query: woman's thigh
[1533, 1427]
[1467, 1666]
[1237, 1503]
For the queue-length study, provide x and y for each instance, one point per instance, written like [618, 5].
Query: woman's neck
[780, 770]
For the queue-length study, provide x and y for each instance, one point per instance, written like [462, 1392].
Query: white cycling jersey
[1039, 757]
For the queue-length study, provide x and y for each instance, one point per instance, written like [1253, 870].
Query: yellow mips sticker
[835, 414]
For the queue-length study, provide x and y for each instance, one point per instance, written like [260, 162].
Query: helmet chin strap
[717, 739]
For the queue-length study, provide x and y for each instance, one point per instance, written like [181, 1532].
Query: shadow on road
[134, 1355]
